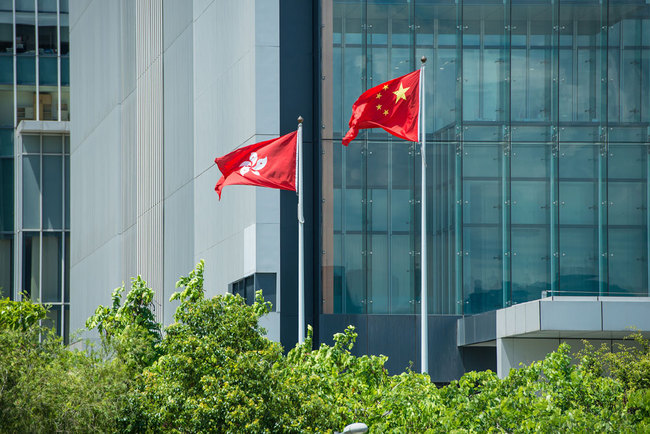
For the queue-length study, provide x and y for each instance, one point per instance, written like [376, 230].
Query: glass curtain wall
[538, 116]
[34, 80]
[45, 223]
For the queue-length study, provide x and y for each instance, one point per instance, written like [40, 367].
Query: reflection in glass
[52, 192]
[52, 254]
[31, 192]
[6, 266]
[6, 194]
[31, 265]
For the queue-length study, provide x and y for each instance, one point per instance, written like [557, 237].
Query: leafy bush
[214, 371]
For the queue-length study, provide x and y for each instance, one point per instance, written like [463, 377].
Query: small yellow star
[378, 106]
[385, 86]
[379, 95]
[401, 93]
[385, 112]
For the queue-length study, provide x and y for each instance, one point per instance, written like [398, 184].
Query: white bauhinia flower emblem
[254, 165]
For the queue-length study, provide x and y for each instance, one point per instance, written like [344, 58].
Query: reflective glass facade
[538, 140]
[34, 85]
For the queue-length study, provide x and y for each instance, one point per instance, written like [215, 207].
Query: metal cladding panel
[149, 145]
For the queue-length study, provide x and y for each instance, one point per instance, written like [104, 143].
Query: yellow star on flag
[379, 95]
[385, 86]
[385, 112]
[378, 106]
[401, 93]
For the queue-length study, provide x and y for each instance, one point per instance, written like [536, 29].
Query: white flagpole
[301, 242]
[424, 331]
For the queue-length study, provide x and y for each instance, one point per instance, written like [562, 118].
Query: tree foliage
[213, 370]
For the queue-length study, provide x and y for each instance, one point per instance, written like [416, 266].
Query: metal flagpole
[424, 331]
[301, 242]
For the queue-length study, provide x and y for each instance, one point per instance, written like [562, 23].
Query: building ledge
[575, 317]
[43, 127]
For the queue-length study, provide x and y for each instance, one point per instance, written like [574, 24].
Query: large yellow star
[401, 93]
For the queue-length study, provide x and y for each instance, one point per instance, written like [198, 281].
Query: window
[247, 286]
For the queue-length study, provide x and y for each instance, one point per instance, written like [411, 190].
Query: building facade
[34, 155]
[537, 118]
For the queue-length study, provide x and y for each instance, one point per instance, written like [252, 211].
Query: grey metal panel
[393, 336]
[445, 359]
[95, 189]
[178, 113]
[178, 242]
[128, 147]
[625, 315]
[127, 47]
[330, 325]
[177, 16]
[563, 315]
[477, 328]
[94, 67]
[94, 278]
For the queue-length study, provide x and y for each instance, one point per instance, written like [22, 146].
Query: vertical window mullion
[58, 61]
[36, 65]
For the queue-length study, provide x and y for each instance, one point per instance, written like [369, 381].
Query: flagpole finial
[300, 119]
[423, 59]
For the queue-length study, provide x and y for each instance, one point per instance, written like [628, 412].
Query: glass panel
[6, 34]
[52, 192]
[628, 261]
[266, 282]
[6, 142]
[66, 325]
[532, 42]
[31, 192]
[25, 33]
[25, 103]
[7, 109]
[65, 38]
[52, 267]
[47, 102]
[25, 5]
[47, 71]
[482, 242]
[6, 266]
[580, 62]
[66, 270]
[354, 274]
[530, 219]
[53, 319]
[31, 144]
[52, 144]
[26, 69]
[46, 6]
[6, 194]
[66, 190]
[6, 5]
[530, 263]
[402, 296]
[249, 289]
[379, 274]
[63, 6]
[65, 71]
[47, 38]
[31, 265]
[65, 104]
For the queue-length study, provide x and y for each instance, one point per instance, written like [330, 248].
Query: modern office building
[537, 119]
[34, 154]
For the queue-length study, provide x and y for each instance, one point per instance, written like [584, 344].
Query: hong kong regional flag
[268, 164]
[393, 106]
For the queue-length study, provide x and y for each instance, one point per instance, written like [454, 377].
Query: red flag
[393, 106]
[268, 164]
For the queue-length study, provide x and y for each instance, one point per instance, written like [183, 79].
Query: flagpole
[301, 242]
[424, 332]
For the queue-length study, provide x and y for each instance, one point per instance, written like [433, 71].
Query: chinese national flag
[393, 106]
[267, 164]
